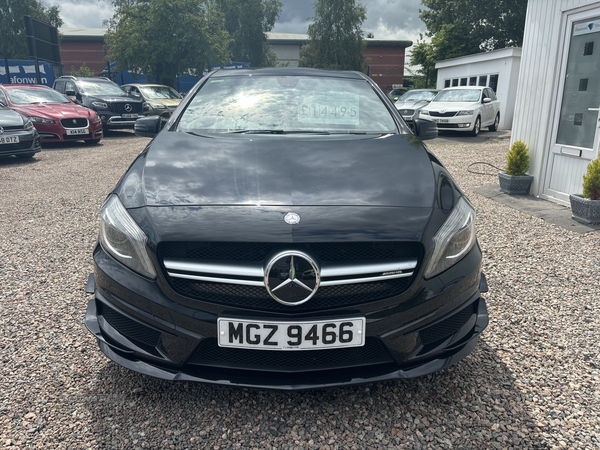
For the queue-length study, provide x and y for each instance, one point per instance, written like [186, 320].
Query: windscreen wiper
[276, 132]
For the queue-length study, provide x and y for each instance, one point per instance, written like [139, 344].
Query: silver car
[410, 103]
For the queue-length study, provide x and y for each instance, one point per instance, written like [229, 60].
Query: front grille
[120, 107]
[211, 355]
[255, 296]
[78, 122]
[22, 145]
[128, 327]
[447, 125]
[439, 114]
[256, 251]
[406, 112]
[448, 327]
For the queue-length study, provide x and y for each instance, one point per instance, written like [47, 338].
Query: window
[455, 82]
[473, 81]
[483, 80]
[493, 82]
[447, 83]
[463, 81]
[588, 48]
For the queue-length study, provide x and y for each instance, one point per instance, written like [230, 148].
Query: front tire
[494, 127]
[477, 127]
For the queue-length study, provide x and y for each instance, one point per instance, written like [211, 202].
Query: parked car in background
[159, 100]
[411, 103]
[18, 136]
[115, 108]
[286, 230]
[55, 117]
[396, 93]
[464, 108]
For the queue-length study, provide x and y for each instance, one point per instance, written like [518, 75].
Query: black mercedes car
[286, 230]
[18, 136]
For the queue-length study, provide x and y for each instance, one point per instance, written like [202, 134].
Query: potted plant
[586, 208]
[514, 180]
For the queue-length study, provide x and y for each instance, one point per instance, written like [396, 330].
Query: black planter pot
[515, 185]
[584, 210]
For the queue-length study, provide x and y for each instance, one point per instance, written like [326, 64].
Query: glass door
[577, 132]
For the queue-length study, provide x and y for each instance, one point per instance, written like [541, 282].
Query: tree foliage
[162, 38]
[13, 42]
[335, 38]
[464, 27]
[475, 25]
[247, 21]
[83, 71]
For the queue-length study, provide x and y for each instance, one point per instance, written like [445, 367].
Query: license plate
[78, 131]
[9, 139]
[129, 116]
[441, 120]
[311, 335]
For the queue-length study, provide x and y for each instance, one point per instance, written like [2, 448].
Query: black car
[116, 109]
[18, 136]
[279, 234]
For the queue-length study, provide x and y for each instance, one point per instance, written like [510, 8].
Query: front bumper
[458, 123]
[140, 328]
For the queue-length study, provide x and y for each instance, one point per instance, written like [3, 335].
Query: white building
[558, 96]
[498, 69]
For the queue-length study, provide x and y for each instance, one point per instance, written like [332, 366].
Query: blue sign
[22, 71]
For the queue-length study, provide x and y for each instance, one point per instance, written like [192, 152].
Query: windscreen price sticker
[313, 335]
[338, 112]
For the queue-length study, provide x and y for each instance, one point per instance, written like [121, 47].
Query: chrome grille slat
[344, 274]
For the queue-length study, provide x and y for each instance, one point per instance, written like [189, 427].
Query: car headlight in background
[122, 238]
[37, 119]
[156, 105]
[454, 239]
[424, 112]
[28, 125]
[96, 118]
[100, 105]
[465, 113]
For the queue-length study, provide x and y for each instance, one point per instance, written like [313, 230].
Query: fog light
[464, 125]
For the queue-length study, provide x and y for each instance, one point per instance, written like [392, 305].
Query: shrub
[517, 159]
[591, 180]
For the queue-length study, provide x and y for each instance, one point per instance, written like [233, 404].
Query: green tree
[13, 42]
[422, 59]
[247, 21]
[162, 38]
[83, 71]
[463, 27]
[335, 38]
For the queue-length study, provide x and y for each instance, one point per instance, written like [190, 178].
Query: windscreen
[458, 95]
[416, 96]
[287, 104]
[159, 92]
[28, 96]
[100, 88]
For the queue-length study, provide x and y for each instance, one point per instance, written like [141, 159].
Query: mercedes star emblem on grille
[291, 218]
[128, 107]
[292, 278]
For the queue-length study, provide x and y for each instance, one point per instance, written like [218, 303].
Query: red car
[56, 118]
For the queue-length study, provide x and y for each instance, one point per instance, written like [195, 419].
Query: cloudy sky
[386, 19]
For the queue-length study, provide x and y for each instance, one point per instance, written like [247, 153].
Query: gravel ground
[532, 382]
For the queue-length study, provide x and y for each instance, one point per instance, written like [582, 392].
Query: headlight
[453, 240]
[28, 125]
[465, 113]
[37, 119]
[123, 239]
[156, 105]
[100, 105]
[96, 118]
[424, 112]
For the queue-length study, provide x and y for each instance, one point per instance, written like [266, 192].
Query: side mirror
[487, 100]
[425, 129]
[70, 93]
[149, 126]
